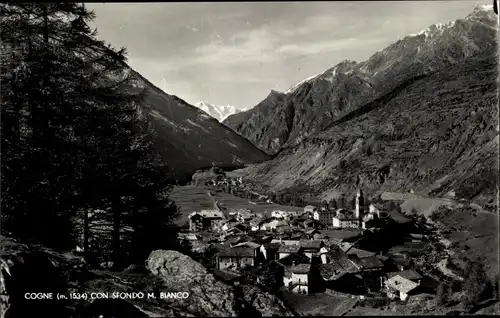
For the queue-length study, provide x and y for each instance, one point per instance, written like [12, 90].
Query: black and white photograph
[249, 159]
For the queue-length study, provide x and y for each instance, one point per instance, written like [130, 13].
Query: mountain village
[367, 252]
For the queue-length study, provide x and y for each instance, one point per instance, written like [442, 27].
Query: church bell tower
[360, 204]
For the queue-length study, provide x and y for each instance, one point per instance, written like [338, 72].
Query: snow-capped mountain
[218, 112]
[309, 107]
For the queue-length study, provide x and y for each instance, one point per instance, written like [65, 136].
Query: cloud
[234, 53]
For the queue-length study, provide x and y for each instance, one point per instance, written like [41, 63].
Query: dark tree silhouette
[74, 138]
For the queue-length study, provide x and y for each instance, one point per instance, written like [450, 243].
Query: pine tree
[73, 136]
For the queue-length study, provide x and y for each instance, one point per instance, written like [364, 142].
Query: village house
[339, 236]
[337, 255]
[269, 250]
[255, 224]
[236, 258]
[345, 219]
[270, 275]
[324, 217]
[254, 246]
[229, 224]
[409, 274]
[398, 286]
[231, 239]
[311, 247]
[297, 278]
[285, 250]
[398, 261]
[238, 229]
[372, 270]
[206, 220]
[286, 242]
[369, 264]
[244, 215]
[350, 250]
[271, 224]
[293, 259]
[336, 278]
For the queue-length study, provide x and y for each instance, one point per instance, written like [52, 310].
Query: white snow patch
[231, 144]
[294, 87]
[204, 117]
[218, 112]
[434, 30]
[171, 123]
[484, 7]
[196, 125]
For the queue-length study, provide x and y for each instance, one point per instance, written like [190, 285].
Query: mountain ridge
[180, 127]
[320, 100]
[432, 150]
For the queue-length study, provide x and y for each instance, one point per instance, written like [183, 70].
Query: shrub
[477, 287]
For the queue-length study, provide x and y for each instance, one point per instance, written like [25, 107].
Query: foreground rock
[35, 269]
[209, 297]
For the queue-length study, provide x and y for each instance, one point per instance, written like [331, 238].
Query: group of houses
[315, 250]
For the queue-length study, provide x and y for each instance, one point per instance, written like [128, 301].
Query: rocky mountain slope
[189, 139]
[218, 112]
[36, 269]
[435, 134]
[283, 120]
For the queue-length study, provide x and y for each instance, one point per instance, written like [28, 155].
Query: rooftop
[286, 242]
[248, 244]
[401, 284]
[301, 269]
[237, 252]
[409, 274]
[293, 258]
[311, 244]
[210, 214]
[358, 252]
[371, 262]
[272, 246]
[289, 249]
[340, 234]
[330, 271]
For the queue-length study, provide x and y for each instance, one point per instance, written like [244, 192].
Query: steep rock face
[209, 297]
[434, 134]
[314, 104]
[269, 137]
[187, 138]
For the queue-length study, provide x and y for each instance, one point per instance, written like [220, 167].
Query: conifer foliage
[74, 137]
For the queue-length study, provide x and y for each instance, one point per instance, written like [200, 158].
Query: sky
[234, 53]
